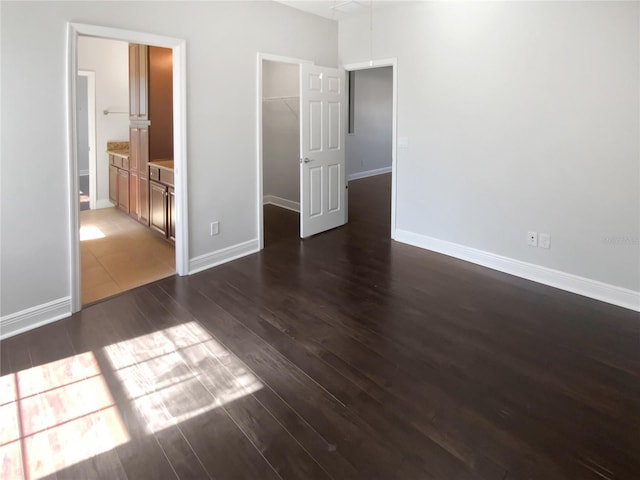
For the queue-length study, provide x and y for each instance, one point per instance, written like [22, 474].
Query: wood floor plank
[223, 449]
[144, 458]
[53, 344]
[368, 390]
[15, 354]
[350, 356]
[105, 465]
[282, 451]
[183, 459]
[332, 421]
[293, 423]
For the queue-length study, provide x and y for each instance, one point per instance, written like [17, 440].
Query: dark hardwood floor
[342, 356]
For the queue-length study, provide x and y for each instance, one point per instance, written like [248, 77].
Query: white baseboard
[281, 202]
[208, 260]
[368, 173]
[83, 173]
[104, 203]
[555, 278]
[33, 317]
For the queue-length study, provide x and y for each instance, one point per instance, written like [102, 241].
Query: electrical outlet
[544, 240]
[215, 228]
[532, 239]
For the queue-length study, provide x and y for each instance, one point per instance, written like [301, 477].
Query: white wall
[109, 59]
[519, 116]
[369, 146]
[82, 112]
[280, 79]
[281, 132]
[223, 39]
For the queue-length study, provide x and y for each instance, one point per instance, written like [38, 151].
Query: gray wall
[519, 116]
[82, 113]
[369, 147]
[223, 39]
[281, 131]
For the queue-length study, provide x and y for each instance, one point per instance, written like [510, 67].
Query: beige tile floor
[129, 254]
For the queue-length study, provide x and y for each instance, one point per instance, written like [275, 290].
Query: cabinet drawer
[166, 177]
[115, 161]
[125, 163]
[154, 173]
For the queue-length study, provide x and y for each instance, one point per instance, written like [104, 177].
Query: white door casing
[179, 48]
[322, 149]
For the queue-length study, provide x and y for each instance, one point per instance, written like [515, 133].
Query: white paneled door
[322, 149]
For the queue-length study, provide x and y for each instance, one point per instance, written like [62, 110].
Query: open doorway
[370, 147]
[280, 150]
[279, 106]
[372, 144]
[86, 139]
[131, 157]
[122, 243]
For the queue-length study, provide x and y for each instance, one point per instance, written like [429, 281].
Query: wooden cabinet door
[123, 190]
[134, 82]
[134, 207]
[171, 209]
[160, 95]
[134, 148]
[113, 184]
[158, 207]
[138, 82]
[143, 200]
[143, 83]
[143, 151]
[138, 167]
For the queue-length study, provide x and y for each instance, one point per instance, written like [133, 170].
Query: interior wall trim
[34, 317]
[224, 255]
[604, 292]
[369, 173]
[281, 202]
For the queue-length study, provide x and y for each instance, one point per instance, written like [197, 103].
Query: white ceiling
[337, 9]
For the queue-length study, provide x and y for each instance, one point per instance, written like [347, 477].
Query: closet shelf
[272, 99]
[284, 100]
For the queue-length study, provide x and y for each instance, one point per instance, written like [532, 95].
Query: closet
[281, 134]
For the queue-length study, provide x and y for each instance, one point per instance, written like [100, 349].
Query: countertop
[120, 149]
[119, 153]
[164, 163]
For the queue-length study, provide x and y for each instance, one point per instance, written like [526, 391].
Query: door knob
[307, 160]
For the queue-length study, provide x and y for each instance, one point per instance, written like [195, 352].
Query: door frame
[178, 47]
[259, 150]
[91, 112]
[387, 62]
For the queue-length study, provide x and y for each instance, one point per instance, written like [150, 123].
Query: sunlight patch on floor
[175, 374]
[55, 415]
[90, 232]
